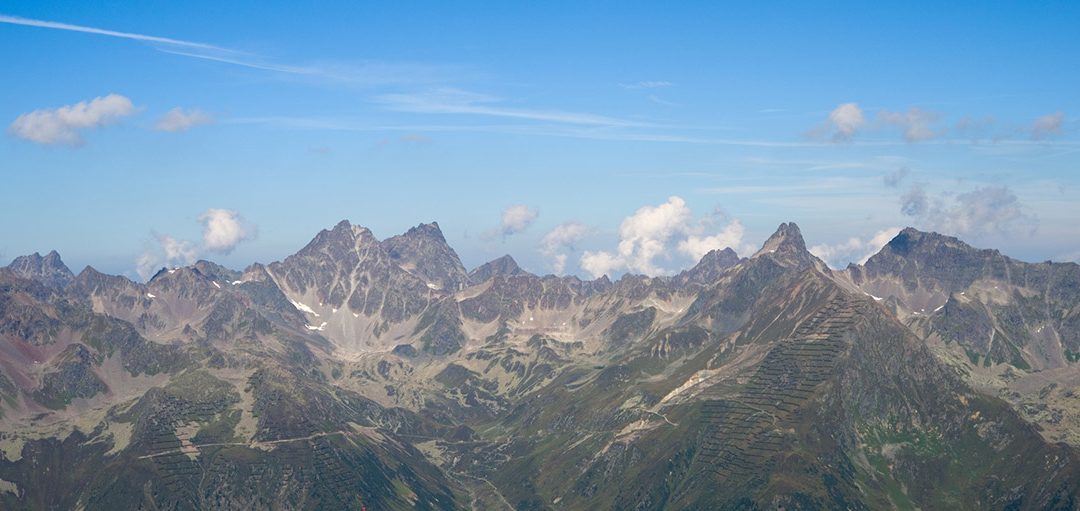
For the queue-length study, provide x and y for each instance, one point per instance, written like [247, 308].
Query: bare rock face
[709, 269]
[347, 268]
[423, 251]
[995, 307]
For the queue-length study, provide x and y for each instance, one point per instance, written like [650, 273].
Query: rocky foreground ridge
[383, 374]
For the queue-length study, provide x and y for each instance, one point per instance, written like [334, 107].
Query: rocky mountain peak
[911, 241]
[787, 235]
[504, 265]
[431, 231]
[712, 264]
[719, 258]
[423, 250]
[933, 259]
[787, 247]
[48, 269]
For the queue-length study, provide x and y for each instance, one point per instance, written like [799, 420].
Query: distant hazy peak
[49, 269]
[711, 266]
[504, 265]
[720, 257]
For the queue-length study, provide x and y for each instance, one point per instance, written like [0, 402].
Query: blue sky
[640, 134]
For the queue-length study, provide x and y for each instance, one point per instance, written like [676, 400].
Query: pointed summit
[504, 265]
[787, 237]
[423, 250]
[343, 237]
[49, 270]
[786, 246]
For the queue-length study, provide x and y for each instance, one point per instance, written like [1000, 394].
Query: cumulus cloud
[697, 246]
[169, 252]
[64, 125]
[1049, 124]
[559, 240]
[223, 229]
[983, 210]
[917, 124]
[179, 119]
[854, 250]
[842, 124]
[654, 232]
[516, 219]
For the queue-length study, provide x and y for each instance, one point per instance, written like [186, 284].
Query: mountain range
[361, 373]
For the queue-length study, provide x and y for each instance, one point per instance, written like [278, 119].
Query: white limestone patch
[9, 487]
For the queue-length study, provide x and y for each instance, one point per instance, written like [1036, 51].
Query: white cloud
[916, 123]
[516, 219]
[178, 119]
[63, 125]
[178, 250]
[558, 240]
[843, 123]
[169, 252]
[854, 250]
[223, 229]
[697, 246]
[1049, 124]
[659, 231]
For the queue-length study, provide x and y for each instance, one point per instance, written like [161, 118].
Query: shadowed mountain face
[380, 373]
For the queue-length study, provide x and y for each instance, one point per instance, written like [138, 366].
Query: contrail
[16, 20]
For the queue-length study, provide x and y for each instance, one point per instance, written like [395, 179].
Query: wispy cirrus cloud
[363, 73]
[647, 84]
[456, 101]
